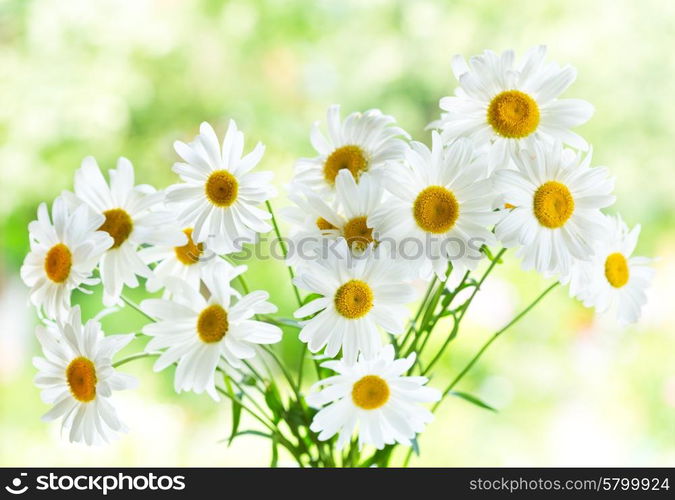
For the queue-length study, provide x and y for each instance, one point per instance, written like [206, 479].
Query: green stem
[133, 357]
[135, 306]
[301, 366]
[240, 277]
[447, 301]
[494, 337]
[253, 401]
[420, 310]
[284, 371]
[284, 250]
[428, 319]
[484, 348]
[464, 308]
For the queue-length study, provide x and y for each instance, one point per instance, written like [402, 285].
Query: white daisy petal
[558, 202]
[505, 107]
[219, 195]
[371, 395]
[80, 394]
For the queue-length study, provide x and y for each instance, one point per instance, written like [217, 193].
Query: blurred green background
[128, 77]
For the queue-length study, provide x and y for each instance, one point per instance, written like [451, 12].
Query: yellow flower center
[513, 114]
[436, 209]
[222, 188]
[118, 225]
[212, 324]
[350, 157]
[324, 225]
[189, 253]
[553, 204]
[58, 262]
[616, 270]
[354, 299]
[357, 233]
[370, 392]
[81, 377]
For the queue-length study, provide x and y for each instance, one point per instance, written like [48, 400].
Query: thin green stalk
[464, 308]
[274, 430]
[284, 250]
[422, 307]
[135, 306]
[301, 366]
[244, 407]
[133, 357]
[429, 312]
[253, 401]
[255, 386]
[427, 337]
[494, 337]
[253, 370]
[240, 278]
[446, 303]
[484, 348]
[412, 329]
[284, 371]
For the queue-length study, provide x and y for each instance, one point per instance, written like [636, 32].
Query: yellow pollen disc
[553, 204]
[616, 270]
[357, 233]
[436, 209]
[222, 188]
[118, 225]
[212, 324]
[350, 157]
[324, 225]
[354, 299]
[189, 253]
[58, 262]
[513, 114]
[370, 392]
[81, 377]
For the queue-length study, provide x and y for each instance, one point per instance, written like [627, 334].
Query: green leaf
[489, 254]
[236, 410]
[311, 297]
[296, 415]
[415, 446]
[275, 452]
[248, 432]
[273, 400]
[473, 400]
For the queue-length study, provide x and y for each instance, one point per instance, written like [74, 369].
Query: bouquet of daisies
[375, 214]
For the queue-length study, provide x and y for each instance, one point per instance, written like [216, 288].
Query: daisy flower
[63, 255]
[375, 398]
[507, 107]
[441, 206]
[363, 142]
[128, 219]
[185, 262]
[359, 293]
[202, 333]
[220, 194]
[556, 198]
[614, 280]
[77, 377]
[348, 217]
